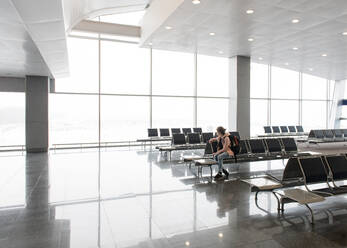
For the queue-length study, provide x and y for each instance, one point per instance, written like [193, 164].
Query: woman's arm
[213, 140]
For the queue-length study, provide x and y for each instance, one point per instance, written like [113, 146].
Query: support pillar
[36, 113]
[239, 92]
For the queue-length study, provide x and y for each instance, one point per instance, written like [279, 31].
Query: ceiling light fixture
[187, 243]
[260, 58]
[324, 55]
[220, 235]
[286, 63]
[295, 21]
[220, 52]
[250, 11]
[295, 48]
[250, 39]
[150, 43]
[310, 69]
[196, 1]
[344, 33]
[212, 34]
[168, 27]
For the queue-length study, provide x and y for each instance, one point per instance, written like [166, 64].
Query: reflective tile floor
[136, 198]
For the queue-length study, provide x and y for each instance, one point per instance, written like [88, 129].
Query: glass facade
[139, 88]
[281, 97]
[142, 88]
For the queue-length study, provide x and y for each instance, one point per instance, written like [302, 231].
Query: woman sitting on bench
[223, 151]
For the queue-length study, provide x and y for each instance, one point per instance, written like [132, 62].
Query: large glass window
[173, 73]
[212, 113]
[258, 116]
[284, 83]
[124, 118]
[125, 68]
[259, 80]
[213, 76]
[84, 67]
[176, 112]
[12, 112]
[314, 87]
[73, 118]
[284, 112]
[314, 115]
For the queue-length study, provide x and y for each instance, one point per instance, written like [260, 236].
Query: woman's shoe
[219, 176]
[226, 173]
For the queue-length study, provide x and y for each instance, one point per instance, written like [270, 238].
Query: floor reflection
[135, 198]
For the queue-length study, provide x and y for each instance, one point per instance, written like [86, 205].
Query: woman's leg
[221, 157]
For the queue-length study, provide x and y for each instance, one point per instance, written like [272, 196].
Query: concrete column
[239, 92]
[335, 111]
[36, 113]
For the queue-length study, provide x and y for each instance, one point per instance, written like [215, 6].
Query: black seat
[317, 134]
[273, 145]
[205, 137]
[328, 134]
[289, 145]
[315, 171]
[178, 139]
[256, 146]
[338, 166]
[267, 129]
[276, 129]
[299, 129]
[338, 133]
[186, 130]
[284, 129]
[197, 130]
[164, 132]
[152, 132]
[175, 130]
[292, 172]
[243, 147]
[193, 138]
[292, 129]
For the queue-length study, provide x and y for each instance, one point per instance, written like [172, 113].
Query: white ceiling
[318, 32]
[19, 55]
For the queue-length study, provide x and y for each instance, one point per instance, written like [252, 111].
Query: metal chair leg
[311, 212]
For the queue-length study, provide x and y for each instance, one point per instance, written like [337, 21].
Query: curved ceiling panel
[78, 10]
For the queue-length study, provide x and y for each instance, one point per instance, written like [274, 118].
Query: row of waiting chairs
[328, 135]
[283, 129]
[275, 146]
[196, 138]
[165, 132]
[325, 171]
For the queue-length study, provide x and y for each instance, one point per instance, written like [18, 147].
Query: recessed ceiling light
[220, 52]
[250, 39]
[220, 235]
[286, 63]
[195, 1]
[295, 21]
[150, 43]
[168, 27]
[187, 243]
[295, 48]
[324, 55]
[250, 11]
[344, 33]
[310, 69]
[260, 58]
[212, 34]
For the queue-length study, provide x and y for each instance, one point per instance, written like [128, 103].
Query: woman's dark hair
[221, 130]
